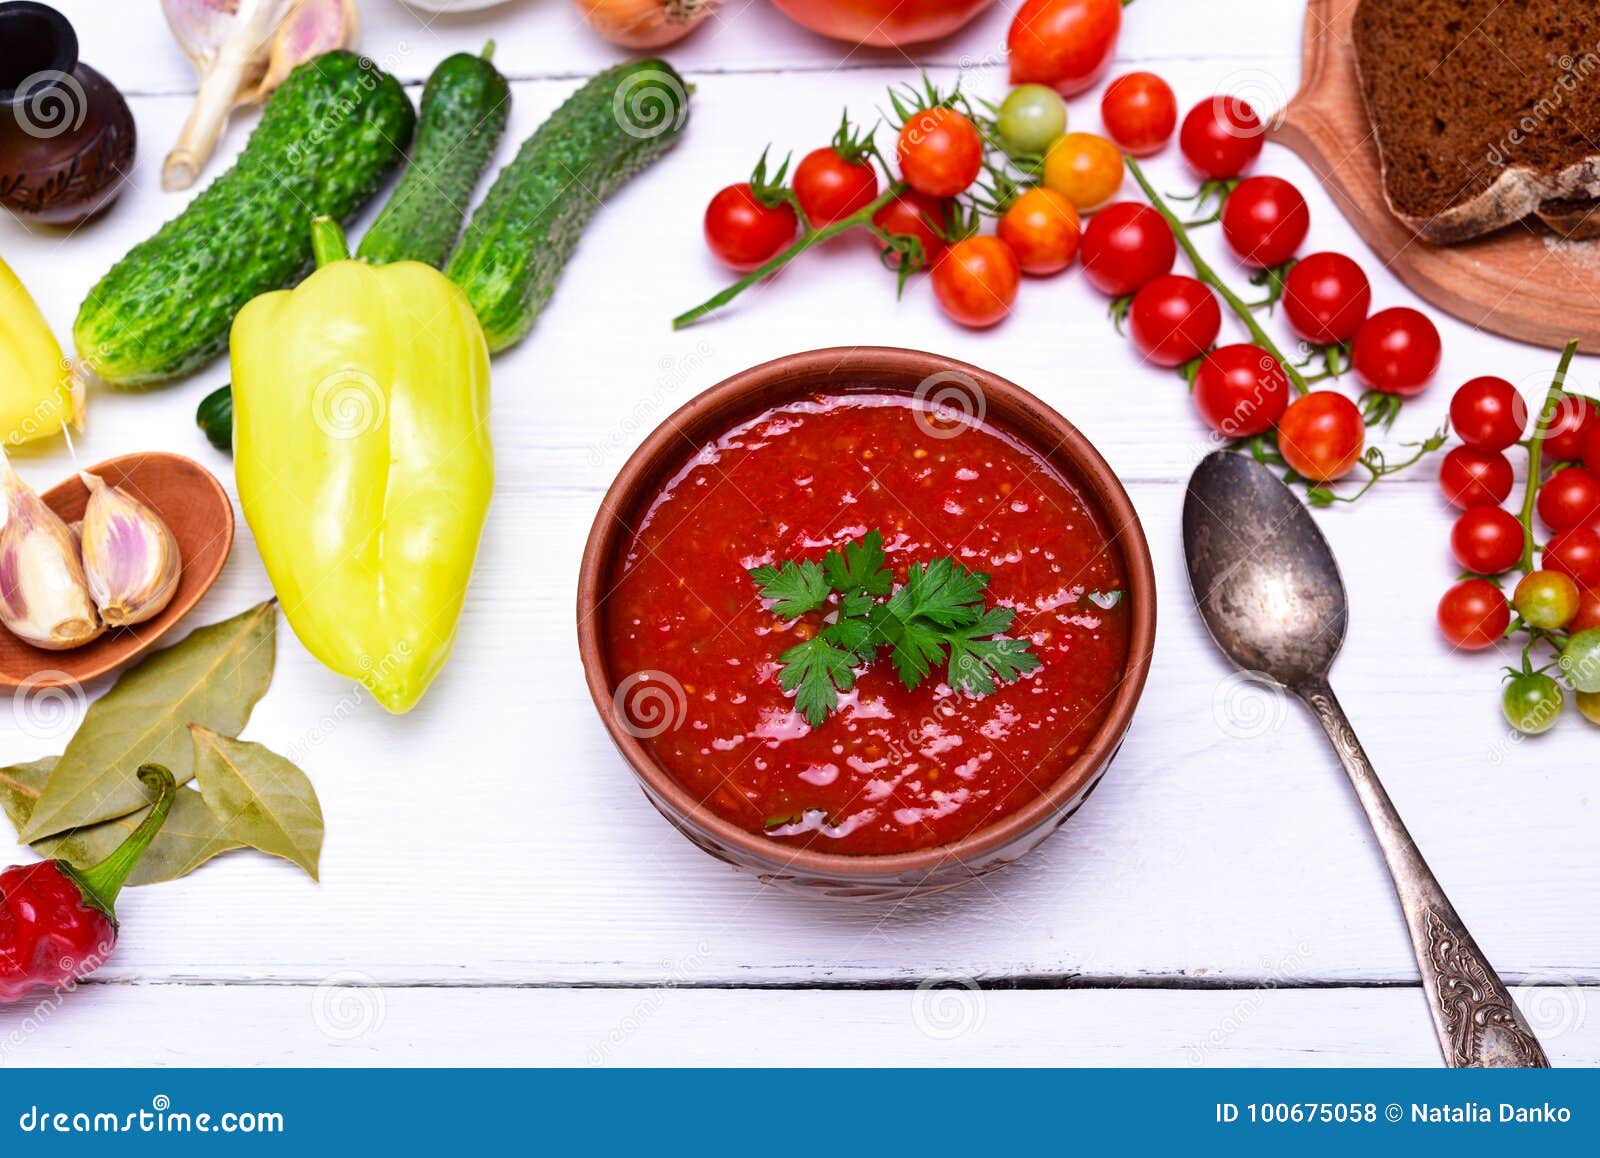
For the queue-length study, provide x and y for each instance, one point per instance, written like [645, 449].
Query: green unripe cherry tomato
[1580, 660]
[1546, 599]
[1030, 118]
[1589, 705]
[1532, 703]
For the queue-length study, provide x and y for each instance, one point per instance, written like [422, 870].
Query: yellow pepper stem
[328, 242]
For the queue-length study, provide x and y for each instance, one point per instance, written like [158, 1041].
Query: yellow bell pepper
[37, 394]
[361, 442]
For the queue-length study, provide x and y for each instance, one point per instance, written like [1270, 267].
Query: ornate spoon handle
[1477, 1023]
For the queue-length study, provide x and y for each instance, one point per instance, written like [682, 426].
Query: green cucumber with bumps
[328, 137]
[464, 108]
[518, 241]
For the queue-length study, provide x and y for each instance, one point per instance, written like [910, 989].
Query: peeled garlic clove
[129, 556]
[44, 596]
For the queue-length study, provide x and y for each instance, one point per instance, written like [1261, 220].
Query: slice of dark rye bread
[1485, 111]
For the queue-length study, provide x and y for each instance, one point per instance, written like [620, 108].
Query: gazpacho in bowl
[866, 621]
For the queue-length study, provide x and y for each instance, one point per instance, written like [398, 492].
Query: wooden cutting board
[1524, 282]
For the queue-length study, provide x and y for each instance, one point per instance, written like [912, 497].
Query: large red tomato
[882, 22]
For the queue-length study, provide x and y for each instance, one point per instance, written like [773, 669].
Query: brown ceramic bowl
[196, 510]
[786, 380]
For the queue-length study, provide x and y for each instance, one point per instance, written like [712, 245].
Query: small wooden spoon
[196, 509]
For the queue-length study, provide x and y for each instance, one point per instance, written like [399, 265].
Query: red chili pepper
[56, 922]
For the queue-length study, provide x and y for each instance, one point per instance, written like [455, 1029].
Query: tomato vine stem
[1552, 403]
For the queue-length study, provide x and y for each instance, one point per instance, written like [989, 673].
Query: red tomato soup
[892, 770]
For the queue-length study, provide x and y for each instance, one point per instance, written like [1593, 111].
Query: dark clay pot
[66, 136]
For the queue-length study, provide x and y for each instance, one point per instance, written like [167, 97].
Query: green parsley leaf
[816, 672]
[975, 662]
[792, 589]
[859, 569]
[943, 592]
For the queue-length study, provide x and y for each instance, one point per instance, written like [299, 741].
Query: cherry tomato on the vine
[976, 281]
[1473, 615]
[1591, 448]
[1532, 702]
[831, 188]
[1174, 319]
[1030, 118]
[1125, 246]
[1220, 137]
[1326, 297]
[1042, 228]
[1488, 413]
[1576, 553]
[940, 151]
[1139, 112]
[1588, 615]
[1240, 390]
[917, 215]
[743, 232]
[1265, 220]
[1567, 434]
[1487, 540]
[1471, 477]
[1065, 44]
[1085, 169]
[1321, 435]
[1397, 351]
[1546, 599]
[1569, 498]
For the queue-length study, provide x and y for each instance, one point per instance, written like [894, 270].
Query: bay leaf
[191, 836]
[260, 797]
[213, 678]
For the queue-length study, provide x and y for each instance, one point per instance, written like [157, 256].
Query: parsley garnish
[937, 618]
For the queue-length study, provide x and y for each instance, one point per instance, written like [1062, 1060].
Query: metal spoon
[1270, 593]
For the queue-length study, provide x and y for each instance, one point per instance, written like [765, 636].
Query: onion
[645, 23]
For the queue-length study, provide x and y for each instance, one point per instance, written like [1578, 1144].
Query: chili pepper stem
[328, 243]
[1552, 402]
[1205, 273]
[104, 881]
[861, 218]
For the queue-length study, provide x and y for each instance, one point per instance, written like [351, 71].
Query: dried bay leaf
[191, 836]
[262, 798]
[213, 678]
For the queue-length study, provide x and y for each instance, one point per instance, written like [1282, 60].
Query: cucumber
[214, 417]
[464, 109]
[327, 138]
[519, 239]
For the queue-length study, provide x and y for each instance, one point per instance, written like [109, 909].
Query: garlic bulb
[130, 558]
[44, 596]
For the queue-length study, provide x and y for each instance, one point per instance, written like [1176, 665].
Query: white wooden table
[496, 890]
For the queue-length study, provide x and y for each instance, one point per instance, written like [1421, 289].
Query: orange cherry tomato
[1084, 168]
[1322, 435]
[976, 281]
[1042, 228]
[940, 152]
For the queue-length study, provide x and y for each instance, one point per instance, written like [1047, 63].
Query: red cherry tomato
[1326, 298]
[1321, 435]
[1042, 229]
[976, 281]
[743, 232]
[1591, 448]
[1471, 477]
[1265, 220]
[913, 214]
[1397, 351]
[1241, 391]
[1125, 246]
[1474, 615]
[1139, 112]
[1575, 553]
[1174, 319]
[1220, 137]
[1487, 540]
[1569, 498]
[940, 151]
[1567, 434]
[1588, 610]
[1488, 413]
[831, 188]
[1065, 44]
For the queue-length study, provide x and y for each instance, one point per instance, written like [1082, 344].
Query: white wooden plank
[348, 1023]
